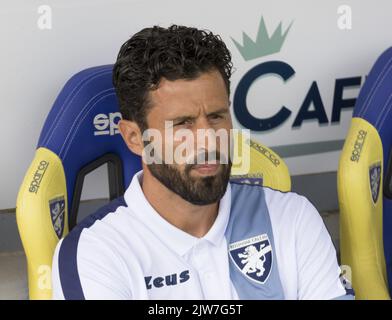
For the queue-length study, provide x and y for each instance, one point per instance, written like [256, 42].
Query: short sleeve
[318, 269]
[87, 269]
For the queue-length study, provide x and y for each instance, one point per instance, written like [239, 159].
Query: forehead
[208, 90]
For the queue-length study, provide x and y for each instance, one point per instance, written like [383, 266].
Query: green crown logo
[264, 45]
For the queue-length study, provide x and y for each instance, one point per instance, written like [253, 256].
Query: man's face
[198, 107]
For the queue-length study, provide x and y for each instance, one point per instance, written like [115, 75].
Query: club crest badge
[253, 257]
[57, 212]
[375, 179]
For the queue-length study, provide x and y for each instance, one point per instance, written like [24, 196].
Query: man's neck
[193, 219]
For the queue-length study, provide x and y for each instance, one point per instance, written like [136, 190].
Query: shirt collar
[176, 239]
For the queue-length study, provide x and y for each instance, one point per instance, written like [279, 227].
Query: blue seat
[79, 135]
[81, 129]
[365, 186]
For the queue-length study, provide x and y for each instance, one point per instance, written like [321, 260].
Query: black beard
[198, 191]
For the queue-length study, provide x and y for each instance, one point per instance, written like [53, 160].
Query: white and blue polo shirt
[264, 244]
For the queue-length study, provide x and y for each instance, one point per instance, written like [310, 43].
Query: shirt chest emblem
[253, 257]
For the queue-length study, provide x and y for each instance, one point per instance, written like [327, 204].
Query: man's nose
[205, 137]
[203, 123]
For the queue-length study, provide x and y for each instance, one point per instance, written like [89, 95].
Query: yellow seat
[365, 187]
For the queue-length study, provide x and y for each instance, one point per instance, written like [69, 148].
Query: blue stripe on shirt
[67, 260]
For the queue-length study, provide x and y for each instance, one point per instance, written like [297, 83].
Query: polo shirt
[263, 244]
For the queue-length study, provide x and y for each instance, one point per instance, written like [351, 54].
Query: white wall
[36, 63]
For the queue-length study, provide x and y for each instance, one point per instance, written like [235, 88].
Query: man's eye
[184, 122]
[215, 116]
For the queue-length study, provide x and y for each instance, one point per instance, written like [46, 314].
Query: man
[182, 230]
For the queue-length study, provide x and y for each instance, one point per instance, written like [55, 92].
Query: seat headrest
[81, 127]
[374, 104]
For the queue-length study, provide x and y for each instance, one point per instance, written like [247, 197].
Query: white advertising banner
[299, 66]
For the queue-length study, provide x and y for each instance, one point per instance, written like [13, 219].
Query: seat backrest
[79, 135]
[365, 186]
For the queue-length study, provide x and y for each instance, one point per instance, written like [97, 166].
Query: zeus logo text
[306, 112]
[169, 280]
[106, 124]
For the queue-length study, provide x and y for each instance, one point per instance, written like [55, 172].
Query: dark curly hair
[177, 52]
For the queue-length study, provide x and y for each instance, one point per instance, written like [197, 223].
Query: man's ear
[131, 135]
